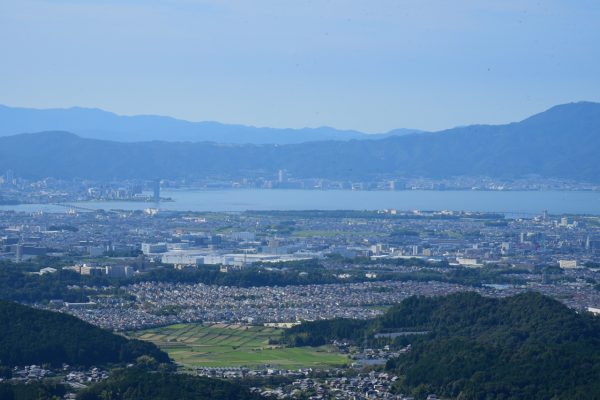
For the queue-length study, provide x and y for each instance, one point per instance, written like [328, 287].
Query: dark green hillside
[318, 333]
[135, 384]
[31, 391]
[524, 347]
[31, 336]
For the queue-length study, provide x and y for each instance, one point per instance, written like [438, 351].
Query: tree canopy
[32, 336]
[527, 346]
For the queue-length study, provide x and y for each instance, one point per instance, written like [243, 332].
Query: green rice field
[234, 345]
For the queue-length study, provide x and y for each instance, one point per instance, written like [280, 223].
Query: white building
[153, 248]
[184, 257]
[567, 264]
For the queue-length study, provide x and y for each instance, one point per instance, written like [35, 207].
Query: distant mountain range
[562, 142]
[99, 124]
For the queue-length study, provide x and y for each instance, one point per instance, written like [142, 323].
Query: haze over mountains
[99, 124]
[562, 142]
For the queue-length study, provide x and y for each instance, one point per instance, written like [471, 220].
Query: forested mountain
[136, 384]
[562, 142]
[98, 124]
[31, 391]
[522, 347]
[32, 336]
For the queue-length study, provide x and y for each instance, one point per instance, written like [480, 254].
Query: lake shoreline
[237, 200]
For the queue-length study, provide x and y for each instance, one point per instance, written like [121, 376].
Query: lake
[513, 202]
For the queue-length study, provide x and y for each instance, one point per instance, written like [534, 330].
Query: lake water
[514, 202]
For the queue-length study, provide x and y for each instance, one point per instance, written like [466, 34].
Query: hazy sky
[368, 65]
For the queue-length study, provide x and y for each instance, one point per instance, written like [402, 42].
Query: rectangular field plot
[233, 345]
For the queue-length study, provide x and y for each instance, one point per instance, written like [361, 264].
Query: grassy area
[233, 345]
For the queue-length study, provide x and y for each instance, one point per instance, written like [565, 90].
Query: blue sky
[367, 65]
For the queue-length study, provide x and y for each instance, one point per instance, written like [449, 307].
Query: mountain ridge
[560, 143]
[95, 123]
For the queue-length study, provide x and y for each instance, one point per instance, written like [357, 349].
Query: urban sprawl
[155, 268]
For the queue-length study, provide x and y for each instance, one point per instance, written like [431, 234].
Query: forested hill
[562, 142]
[32, 336]
[524, 347]
[137, 384]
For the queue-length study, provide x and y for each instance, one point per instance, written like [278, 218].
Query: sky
[371, 65]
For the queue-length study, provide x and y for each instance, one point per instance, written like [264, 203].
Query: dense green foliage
[135, 384]
[21, 286]
[312, 272]
[31, 391]
[523, 347]
[246, 277]
[318, 333]
[19, 282]
[527, 346]
[32, 336]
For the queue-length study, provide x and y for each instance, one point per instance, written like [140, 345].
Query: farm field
[234, 345]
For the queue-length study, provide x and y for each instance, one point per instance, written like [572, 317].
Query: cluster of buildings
[183, 254]
[308, 383]
[75, 377]
[370, 385]
[290, 304]
[283, 180]
[30, 373]
[238, 240]
[558, 255]
[120, 245]
[111, 271]
[18, 190]
[15, 189]
[254, 305]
